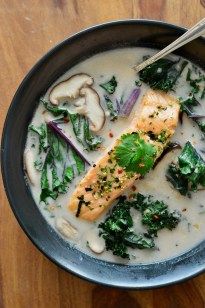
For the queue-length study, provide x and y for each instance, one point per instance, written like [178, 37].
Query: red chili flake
[111, 134]
[65, 120]
[133, 187]
[156, 217]
[184, 210]
[119, 171]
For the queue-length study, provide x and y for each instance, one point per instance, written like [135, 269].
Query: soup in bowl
[112, 161]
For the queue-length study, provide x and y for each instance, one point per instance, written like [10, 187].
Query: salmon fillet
[106, 180]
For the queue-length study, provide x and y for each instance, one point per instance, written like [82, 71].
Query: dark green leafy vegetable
[79, 163]
[162, 137]
[80, 126]
[117, 232]
[190, 170]
[163, 74]
[42, 133]
[110, 107]
[110, 86]
[83, 134]
[203, 93]
[117, 229]
[56, 158]
[57, 130]
[77, 123]
[195, 82]
[46, 192]
[55, 110]
[188, 106]
[138, 83]
[92, 141]
[134, 154]
[155, 214]
[177, 179]
[138, 241]
[38, 164]
[56, 161]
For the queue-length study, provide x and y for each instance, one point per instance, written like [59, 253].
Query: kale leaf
[117, 233]
[80, 165]
[117, 229]
[176, 178]
[189, 173]
[155, 214]
[56, 161]
[55, 110]
[83, 134]
[188, 106]
[46, 191]
[110, 107]
[61, 172]
[42, 133]
[162, 74]
[195, 82]
[80, 126]
[134, 154]
[109, 86]
[38, 164]
[92, 141]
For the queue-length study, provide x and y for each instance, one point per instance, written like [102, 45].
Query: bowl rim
[6, 122]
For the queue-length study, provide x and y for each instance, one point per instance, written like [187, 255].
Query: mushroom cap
[70, 88]
[94, 111]
[29, 167]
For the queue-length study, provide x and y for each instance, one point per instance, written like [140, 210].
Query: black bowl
[71, 51]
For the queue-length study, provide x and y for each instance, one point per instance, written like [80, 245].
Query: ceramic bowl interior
[62, 57]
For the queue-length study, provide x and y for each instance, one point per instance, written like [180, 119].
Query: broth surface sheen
[190, 231]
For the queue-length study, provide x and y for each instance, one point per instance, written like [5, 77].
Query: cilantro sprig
[135, 154]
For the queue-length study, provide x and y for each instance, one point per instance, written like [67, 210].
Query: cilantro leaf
[109, 86]
[134, 154]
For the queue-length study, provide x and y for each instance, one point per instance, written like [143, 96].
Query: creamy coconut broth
[190, 230]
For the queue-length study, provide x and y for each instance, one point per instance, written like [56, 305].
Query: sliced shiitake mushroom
[95, 243]
[93, 111]
[70, 88]
[65, 228]
[29, 167]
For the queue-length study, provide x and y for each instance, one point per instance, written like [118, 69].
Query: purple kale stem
[129, 103]
[118, 106]
[58, 130]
